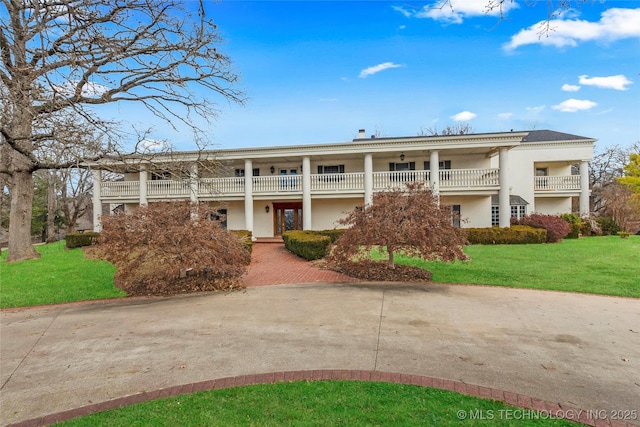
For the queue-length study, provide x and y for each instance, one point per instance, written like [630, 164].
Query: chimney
[362, 134]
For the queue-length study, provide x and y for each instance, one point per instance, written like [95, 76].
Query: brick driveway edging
[546, 409]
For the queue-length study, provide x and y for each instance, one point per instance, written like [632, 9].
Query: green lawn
[599, 265]
[321, 403]
[58, 276]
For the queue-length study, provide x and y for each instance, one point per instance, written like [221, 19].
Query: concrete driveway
[577, 350]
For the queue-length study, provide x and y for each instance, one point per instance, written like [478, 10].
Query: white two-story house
[486, 178]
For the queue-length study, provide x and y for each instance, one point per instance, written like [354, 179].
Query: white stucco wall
[552, 205]
[235, 215]
[327, 211]
[475, 211]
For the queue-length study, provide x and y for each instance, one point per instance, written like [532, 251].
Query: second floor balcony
[557, 183]
[334, 183]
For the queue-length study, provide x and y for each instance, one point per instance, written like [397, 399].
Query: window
[443, 164]
[542, 171]
[240, 172]
[455, 215]
[159, 176]
[401, 171]
[495, 215]
[219, 215]
[330, 169]
[517, 211]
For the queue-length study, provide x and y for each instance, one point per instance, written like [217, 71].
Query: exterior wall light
[272, 169]
[266, 209]
[401, 157]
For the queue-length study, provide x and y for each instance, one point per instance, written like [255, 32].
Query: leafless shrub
[171, 247]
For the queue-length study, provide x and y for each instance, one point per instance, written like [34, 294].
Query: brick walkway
[272, 264]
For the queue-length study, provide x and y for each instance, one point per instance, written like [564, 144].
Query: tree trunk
[51, 207]
[20, 247]
[390, 263]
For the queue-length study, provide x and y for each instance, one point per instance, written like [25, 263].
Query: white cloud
[572, 105]
[614, 24]
[377, 68]
[402, 10]
[618, 82]
[570, 88]
[152, 145]
[536, 109]
[89, 90]
[505, 116]
[455, 11]
[463, 116]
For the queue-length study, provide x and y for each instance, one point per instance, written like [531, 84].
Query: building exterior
[486, 178]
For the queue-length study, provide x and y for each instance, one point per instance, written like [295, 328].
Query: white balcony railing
[557, 183]
[469, 178]
[120, 189]
[337, 182]
[167, 188]
[320, 183]
[386, 180]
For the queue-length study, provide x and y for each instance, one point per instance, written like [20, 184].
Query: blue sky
[317, 72]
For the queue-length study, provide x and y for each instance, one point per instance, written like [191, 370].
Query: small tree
[404, 220]
[171, 247]
[631, 177]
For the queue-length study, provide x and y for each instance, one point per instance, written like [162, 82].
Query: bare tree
[405, 220]
[554, 9]
[604, 170]
[455, 129]
[65, 57]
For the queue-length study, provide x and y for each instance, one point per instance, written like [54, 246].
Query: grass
[597, 265]
[58, 276]
[321, 403]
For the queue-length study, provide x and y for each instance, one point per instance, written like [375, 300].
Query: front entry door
[287, 216]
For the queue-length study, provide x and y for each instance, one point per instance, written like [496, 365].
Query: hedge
[309, 245]
[76, 240]
[333, 234]
[515, 235]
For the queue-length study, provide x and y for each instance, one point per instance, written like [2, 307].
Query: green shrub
[306, 244]
[517, 234]
[76, 240]
[333, 234]
[575, 222]
[245, 237]
[609, 226]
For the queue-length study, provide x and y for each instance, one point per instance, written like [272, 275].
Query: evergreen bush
[516, 235]
[76, 240]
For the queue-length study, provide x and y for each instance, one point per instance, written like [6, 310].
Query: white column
[143, 184]
[248, 195]
[503, 198]
[434, 173]
[97, 202]
[193, 183]
[584, 188]
[306, 193]
[368, 179]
